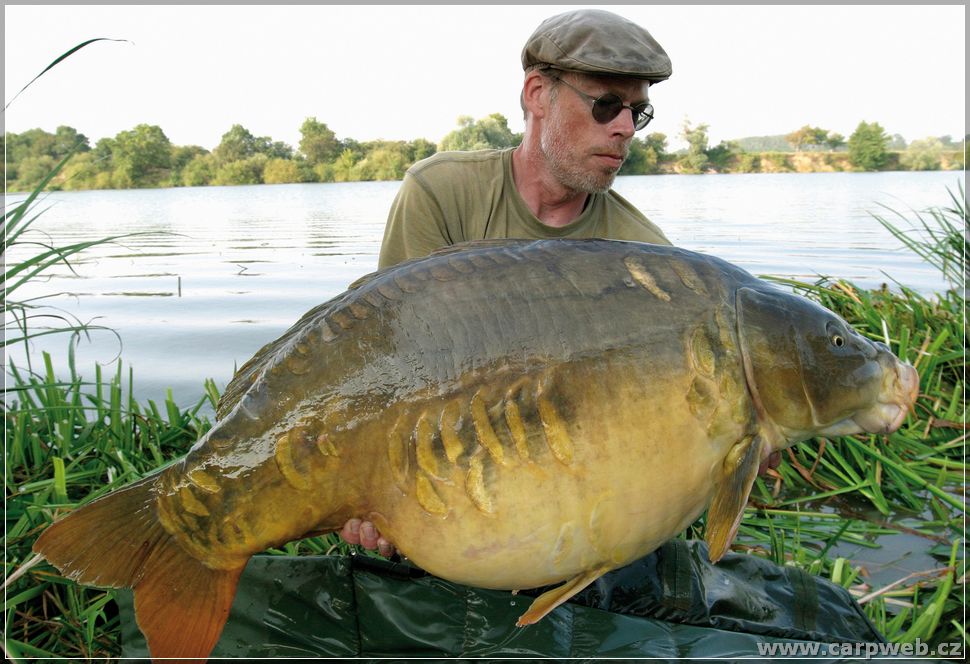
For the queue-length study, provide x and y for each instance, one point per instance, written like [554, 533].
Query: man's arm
[416, 224]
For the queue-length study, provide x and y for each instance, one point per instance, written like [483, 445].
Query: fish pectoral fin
[549, 600]
[733, 485]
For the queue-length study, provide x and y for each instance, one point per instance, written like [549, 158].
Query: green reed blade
[63, 56]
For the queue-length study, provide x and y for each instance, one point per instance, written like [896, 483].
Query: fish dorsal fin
[733, 484]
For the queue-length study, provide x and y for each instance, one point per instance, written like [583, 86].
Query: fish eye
[838, 340]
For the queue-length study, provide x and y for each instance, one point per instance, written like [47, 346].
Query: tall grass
[25, 319]
[67, 441]
[70, 441]
[917, 473]
[938, 235]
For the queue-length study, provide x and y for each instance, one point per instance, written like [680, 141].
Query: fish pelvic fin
[181, 604]
[550, 599]
[733, 486]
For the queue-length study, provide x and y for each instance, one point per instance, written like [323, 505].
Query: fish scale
[511, 414]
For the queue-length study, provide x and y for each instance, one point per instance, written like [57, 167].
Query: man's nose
[622, 124]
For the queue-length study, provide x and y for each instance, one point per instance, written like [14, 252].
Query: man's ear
[535, 93]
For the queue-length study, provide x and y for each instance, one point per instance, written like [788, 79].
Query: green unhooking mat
[672, 603]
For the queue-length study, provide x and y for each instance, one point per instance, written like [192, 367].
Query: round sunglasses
[608, 106]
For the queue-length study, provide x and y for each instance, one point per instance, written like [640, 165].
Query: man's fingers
[351, 531]
[368, 535]
[385, 548]
[364, 533]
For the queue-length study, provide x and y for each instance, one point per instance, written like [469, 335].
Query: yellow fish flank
[511, 414]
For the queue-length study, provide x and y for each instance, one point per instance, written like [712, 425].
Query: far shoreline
[763, 163]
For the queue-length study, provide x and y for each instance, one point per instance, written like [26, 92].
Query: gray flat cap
[594, 41]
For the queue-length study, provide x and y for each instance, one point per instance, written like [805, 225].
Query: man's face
[582, 154]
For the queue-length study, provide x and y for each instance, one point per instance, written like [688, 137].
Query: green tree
[31, 143]
[420, 148]
[67, 139]
[897, 142]
[35, 143]
[799, 137]
[636, 159]
[868, 146]
[950, 144]
[318, 143]
[695, 159]
[923, 155]
[238, 143]
[200, 171]
[344, 168]
[387, 161]
[273, 149]
[241, 171]
[723, 155]
[81, 171]
[808, 137]
[31, 170]
[749, 162]
[357, 149]
[103, 150]
[141, 156]
[834, 140]
[655, 144]
[182, 156]
[646, 155]
[489, 132]
[282, 171]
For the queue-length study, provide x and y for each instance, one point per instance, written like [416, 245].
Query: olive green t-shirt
[453, 197]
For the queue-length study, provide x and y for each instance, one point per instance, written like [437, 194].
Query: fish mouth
[889, 412]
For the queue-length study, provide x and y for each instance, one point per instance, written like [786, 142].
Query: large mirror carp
[511, 414]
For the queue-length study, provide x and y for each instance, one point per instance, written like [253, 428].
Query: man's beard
[566, 164]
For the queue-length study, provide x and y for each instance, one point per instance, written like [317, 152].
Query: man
[585, 93]
[587, 78]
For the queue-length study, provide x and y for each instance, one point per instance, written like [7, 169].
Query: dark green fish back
[509, 302]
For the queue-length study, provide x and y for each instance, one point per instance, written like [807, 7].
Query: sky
[405, 72]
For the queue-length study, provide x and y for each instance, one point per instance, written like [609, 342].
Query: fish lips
[889, 413]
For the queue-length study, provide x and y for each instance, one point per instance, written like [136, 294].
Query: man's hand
[366, 535]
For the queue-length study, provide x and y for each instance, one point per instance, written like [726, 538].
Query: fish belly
[584, 466]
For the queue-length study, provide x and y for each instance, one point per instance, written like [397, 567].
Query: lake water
[227, 269]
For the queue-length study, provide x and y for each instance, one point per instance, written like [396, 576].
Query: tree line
[868, 148]
[145, 157]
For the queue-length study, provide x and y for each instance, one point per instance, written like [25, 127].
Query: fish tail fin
[117, 541]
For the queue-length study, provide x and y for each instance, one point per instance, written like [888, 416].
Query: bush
[244, 171]
[283, 171]
[922, 155]
[749, 162]
[32, 170]
[776, 162]
[324, 172]
[198, 172]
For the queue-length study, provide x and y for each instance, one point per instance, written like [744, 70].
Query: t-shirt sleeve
[415, 224]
